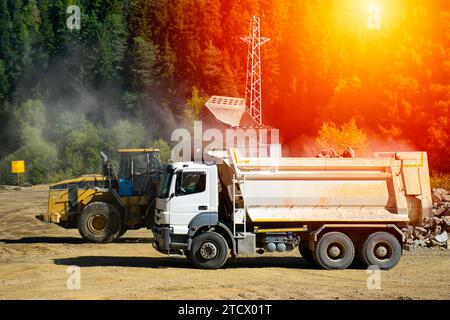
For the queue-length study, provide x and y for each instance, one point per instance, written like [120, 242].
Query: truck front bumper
[167, 242]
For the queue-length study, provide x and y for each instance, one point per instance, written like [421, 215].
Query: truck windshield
[165, 182]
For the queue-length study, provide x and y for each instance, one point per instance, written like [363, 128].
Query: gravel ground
[34, 261]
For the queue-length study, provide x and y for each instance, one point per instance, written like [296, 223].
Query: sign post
[18, 167]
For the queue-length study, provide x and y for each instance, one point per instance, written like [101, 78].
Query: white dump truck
[333, 210]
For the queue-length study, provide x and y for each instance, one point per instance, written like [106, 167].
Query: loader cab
[139, 172]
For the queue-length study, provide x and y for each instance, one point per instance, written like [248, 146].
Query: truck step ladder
[239, 212]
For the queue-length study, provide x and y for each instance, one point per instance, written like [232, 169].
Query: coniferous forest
[137, 69]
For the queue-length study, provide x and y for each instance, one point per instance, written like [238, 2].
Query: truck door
[192, 197]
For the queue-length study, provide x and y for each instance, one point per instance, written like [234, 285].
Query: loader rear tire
[99, 223]
[209, 251]
[334, 250]
[381, 249]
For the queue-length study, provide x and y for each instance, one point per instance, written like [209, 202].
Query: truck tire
[358, 261]
[306, 252]
[334, 251]
[187, 254]
[209, 251]
[99, 223]
[381, 249]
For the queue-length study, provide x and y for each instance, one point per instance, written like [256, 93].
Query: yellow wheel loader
[103, 207]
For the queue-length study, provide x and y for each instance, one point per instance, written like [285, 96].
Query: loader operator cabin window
[190, 183]
[154, 162]
[140, 164]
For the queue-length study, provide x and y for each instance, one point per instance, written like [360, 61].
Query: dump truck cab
[188, 190]
[103, 207]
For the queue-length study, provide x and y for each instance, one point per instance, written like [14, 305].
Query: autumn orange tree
[341, 137]
[138, 60]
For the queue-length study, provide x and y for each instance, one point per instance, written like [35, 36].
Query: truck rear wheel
[306, 252]
[99, 222]
[358, 260]
[209, 251]
[381, 249]
[334, 251]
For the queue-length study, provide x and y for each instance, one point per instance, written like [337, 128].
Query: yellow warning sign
[18, 166]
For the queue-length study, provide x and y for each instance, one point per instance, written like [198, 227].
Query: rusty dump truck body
[333, 210]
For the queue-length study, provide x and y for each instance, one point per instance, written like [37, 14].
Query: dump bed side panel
[390, 187]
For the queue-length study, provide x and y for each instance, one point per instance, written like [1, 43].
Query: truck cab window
[190, 183]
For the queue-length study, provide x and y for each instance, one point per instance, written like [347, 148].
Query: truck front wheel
[381, 249]
[209, 251]
[306, 252]
[334, 251]
[99, 222]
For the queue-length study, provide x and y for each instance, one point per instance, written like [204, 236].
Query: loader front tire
[123, 230]
[99, 222]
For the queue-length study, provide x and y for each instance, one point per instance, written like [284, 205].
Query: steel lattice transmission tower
[253, 91]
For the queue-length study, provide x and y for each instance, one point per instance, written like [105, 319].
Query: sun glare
[373, 17]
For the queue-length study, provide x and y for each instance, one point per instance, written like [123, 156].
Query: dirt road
[34, 261]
